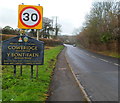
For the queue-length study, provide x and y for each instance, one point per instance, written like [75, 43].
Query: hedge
[47, 42]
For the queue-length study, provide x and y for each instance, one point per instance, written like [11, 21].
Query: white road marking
[116, 64]
[93, 56]
[79, 84]
[88, 54]
[104, 60]
[61, 68]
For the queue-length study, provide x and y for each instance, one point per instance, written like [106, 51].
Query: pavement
[64, 86]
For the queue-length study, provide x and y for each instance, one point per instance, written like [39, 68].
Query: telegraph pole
[52, 24]
[56, 29]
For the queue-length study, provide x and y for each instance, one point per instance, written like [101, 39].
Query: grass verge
[22, 88]
[115, 54]
[112, 54]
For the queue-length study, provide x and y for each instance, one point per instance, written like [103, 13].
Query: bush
[6, 36]
[50, 42]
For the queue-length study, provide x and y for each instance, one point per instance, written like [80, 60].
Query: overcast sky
[71, 13]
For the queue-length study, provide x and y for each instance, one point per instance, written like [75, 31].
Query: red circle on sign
[30, 8]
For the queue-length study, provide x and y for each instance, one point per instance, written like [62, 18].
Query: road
[97, 74]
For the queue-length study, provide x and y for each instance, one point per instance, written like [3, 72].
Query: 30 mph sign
[30, 17]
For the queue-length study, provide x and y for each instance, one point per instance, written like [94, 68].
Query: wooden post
[14, 70]
[31, 71]
[20, 70]
[37, 72]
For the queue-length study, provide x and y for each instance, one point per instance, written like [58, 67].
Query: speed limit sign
[30, 17]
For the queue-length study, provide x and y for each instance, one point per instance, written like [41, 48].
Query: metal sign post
[21, 33]
[37, 65]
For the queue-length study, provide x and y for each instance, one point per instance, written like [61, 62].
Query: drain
[62, 68]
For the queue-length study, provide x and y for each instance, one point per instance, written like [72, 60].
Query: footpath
[63, 86]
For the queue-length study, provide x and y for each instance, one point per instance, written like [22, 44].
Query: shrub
[47, 42]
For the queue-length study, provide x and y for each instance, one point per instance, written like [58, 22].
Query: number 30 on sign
[30, 17]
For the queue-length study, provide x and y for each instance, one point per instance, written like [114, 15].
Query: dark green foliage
[105, 37]
[9, 30]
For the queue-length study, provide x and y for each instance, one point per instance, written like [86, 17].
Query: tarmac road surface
[98, 74]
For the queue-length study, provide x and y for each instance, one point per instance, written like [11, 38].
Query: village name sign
[22, 50]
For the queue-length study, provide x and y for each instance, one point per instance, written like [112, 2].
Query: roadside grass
[115, 54]
[23, 88]
[112, 54]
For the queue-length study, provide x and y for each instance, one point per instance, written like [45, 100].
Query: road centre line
[116, 64]
[103, 60]
[109, 62]
[93, 56]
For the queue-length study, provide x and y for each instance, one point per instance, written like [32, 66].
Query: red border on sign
[34, 9]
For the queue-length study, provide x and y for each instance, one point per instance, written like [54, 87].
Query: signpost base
[20, 70]
[31, 71]
[37, 72]
[14, 70]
